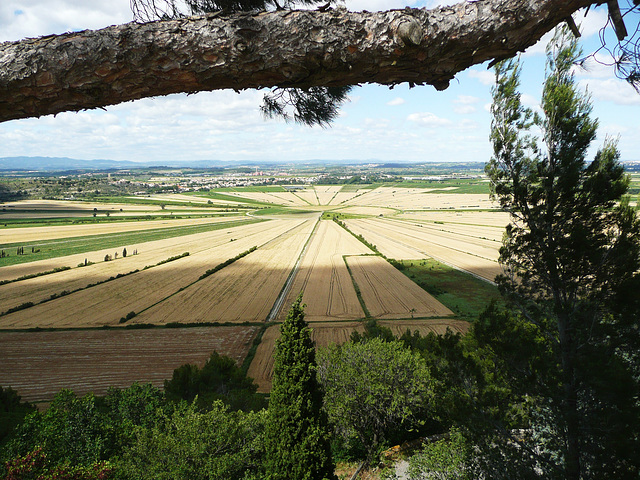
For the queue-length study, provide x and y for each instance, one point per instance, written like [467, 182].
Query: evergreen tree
[297, 436]
[572, 256]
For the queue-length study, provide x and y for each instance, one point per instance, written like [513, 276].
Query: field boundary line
[218, 267]
[277, 305]
[367, 314]
[436, 257]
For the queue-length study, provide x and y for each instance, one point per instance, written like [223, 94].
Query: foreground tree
[218, 379]
[373, 390]
[296, 436]
[188, 444]
[301, 49]
[572, 256]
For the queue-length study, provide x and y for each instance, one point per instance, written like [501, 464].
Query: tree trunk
[90, 69]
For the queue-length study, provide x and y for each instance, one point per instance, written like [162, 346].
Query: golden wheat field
[106, 303]
[387, 293]
[242, 292]
[329, 293]
[474, 255]
[341, 278]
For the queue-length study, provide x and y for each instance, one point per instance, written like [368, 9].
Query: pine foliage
[297, 436]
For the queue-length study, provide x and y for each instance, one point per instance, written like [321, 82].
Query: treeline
[226, 263]
[376, 390]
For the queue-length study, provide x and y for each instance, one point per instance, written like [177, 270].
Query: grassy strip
[89, 219]
[170, 259]
[34, 275]
[465, 295]
[73, 245]
[64, 293]
[149, 201]
[254, 348]
[279, 210]
[226, 263]
[473, 186]
[231, 198]
[359, 237]
[367, 314]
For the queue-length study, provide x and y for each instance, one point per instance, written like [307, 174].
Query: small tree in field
[297, 436]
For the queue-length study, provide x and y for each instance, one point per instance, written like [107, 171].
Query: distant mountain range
[54, 164]
[60, 164]
[65, 163]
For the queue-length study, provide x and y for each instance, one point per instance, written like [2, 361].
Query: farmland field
[387, 293]
[39, 364]
[476, 255]
[342, 279]
[323, 276]
[106, 303]
[243, 292]
[327, 333]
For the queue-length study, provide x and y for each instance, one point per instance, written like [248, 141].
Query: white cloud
[464, 109]
[376, 5]
[32, 18]
[600, 65]
[427, 119]
[590, 25]
[485, 77]
[466, 100]
[530, 101]
[611, 90]
[467, 124]
[396, 101]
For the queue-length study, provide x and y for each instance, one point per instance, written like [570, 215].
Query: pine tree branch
[92, 69]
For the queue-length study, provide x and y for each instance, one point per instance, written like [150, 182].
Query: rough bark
[90, 69]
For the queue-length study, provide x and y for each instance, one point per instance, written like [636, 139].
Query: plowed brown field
[387, 293]
[324, 334]
[39, 364]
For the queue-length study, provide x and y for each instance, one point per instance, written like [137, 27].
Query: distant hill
[61, 163]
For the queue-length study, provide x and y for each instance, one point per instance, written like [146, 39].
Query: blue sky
[378, 123]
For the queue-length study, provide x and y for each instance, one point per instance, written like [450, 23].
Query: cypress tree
[297, 433]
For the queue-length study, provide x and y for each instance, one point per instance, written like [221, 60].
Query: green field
[464, 294]
[438, 186]
[70, 246]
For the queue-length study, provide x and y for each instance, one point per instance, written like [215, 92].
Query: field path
[323, 277]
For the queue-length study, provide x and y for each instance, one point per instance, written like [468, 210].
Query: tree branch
[91, 69]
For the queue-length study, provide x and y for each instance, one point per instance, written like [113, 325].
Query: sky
[378, 124]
